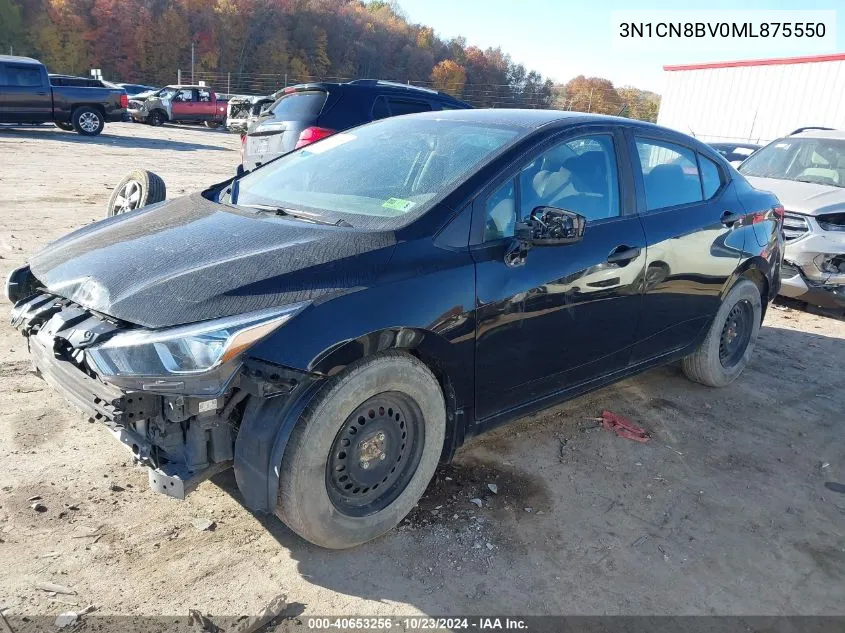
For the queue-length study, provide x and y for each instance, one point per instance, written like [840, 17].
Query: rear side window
[380, 109]
[670, 174]
[711, 178]
[23, 76]
[405, 106]
[299, 105]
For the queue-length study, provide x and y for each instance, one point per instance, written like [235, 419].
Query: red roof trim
[833, 57]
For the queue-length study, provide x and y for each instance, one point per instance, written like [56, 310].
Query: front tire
[726, 350]
[156, 118]
[87, 121]
[363, 452]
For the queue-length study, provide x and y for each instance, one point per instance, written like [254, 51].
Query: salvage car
[306, 113]
[29, 95]
[806, 171]
[242, 112]
[336, 323]
[189, 104]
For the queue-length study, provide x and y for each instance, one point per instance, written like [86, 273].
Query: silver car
[806, 171]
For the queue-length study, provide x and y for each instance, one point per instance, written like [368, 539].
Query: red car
[192, 104]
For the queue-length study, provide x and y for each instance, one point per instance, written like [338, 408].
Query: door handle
[729, 218]
[622, 255]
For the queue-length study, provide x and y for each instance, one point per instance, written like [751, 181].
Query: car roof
[19, 60]
[840, 134]
[532, 119]
[383, 87]
[185, 86]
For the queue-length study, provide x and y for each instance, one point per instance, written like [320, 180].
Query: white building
[755, 101]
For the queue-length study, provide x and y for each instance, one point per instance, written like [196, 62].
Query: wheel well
[762, 284]
[426, 346]
[454, 435]
[163, 112]
[95, 106]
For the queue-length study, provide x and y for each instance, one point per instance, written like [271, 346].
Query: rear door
[206, 106]
[568, 313]
[692, 219]
[25, 94]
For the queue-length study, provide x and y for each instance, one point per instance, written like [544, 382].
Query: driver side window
[577, 175]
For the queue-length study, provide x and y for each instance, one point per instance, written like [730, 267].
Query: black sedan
[337, 322]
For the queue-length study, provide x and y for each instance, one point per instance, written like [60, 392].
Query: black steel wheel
[736, 334]
[363, 451]
[729, 343]
[375, 454]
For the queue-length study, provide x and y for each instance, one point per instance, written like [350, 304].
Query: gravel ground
[724, 511]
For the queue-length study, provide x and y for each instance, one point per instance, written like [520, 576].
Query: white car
[806, 171]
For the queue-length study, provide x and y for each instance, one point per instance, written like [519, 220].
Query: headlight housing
[195, 359]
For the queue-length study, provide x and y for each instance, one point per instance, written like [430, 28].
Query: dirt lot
[724, 511]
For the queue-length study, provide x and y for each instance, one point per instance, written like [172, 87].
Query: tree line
[258, 45]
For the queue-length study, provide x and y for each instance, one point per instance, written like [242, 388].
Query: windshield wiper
[817, 182]
[301, 215]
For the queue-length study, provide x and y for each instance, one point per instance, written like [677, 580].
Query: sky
[565, 38]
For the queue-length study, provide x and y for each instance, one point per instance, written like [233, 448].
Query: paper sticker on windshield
[782, 146]
[398, 204]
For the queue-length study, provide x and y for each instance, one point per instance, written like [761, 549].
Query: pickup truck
[29, 95]
[190, 104]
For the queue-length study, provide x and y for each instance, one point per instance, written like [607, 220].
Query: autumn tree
[449, 76]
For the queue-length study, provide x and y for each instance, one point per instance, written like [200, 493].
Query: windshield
[817, 160]
[394, 168]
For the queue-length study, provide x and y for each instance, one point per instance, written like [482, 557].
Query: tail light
[778, 213]
[243, 146]
[312, 135]
[124, 101]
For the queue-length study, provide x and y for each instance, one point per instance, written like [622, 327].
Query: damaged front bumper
[814, 269]
[183, 440]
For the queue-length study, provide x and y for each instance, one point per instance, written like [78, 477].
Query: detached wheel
[87, 121]
[363, 453]
[138, 189]
[728, 346]
[156, 118]
[67, 127]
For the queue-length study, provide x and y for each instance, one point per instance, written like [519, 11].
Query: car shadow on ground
[133, 142]
[587, 548]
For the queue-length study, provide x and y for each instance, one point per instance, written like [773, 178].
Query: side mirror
[550, 226]
[547, 226]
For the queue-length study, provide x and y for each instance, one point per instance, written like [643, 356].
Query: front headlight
[195, 359]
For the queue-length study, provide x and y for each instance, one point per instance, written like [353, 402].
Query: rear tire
[342, 479]
[87, 121]
[726, 350]
[67, 127]
[138, 189]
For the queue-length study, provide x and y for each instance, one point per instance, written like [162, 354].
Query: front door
[568, 313]
[183, 107]
[694, 225]
[25, 95]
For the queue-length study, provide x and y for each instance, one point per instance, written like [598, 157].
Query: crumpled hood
[191, 259]
[803, 197]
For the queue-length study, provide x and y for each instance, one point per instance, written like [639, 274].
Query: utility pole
[590, 103]
[192, 62]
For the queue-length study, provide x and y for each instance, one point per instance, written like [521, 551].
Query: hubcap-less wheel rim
[89, 121]
[375, 454]
[736, 334]
[128, 198]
